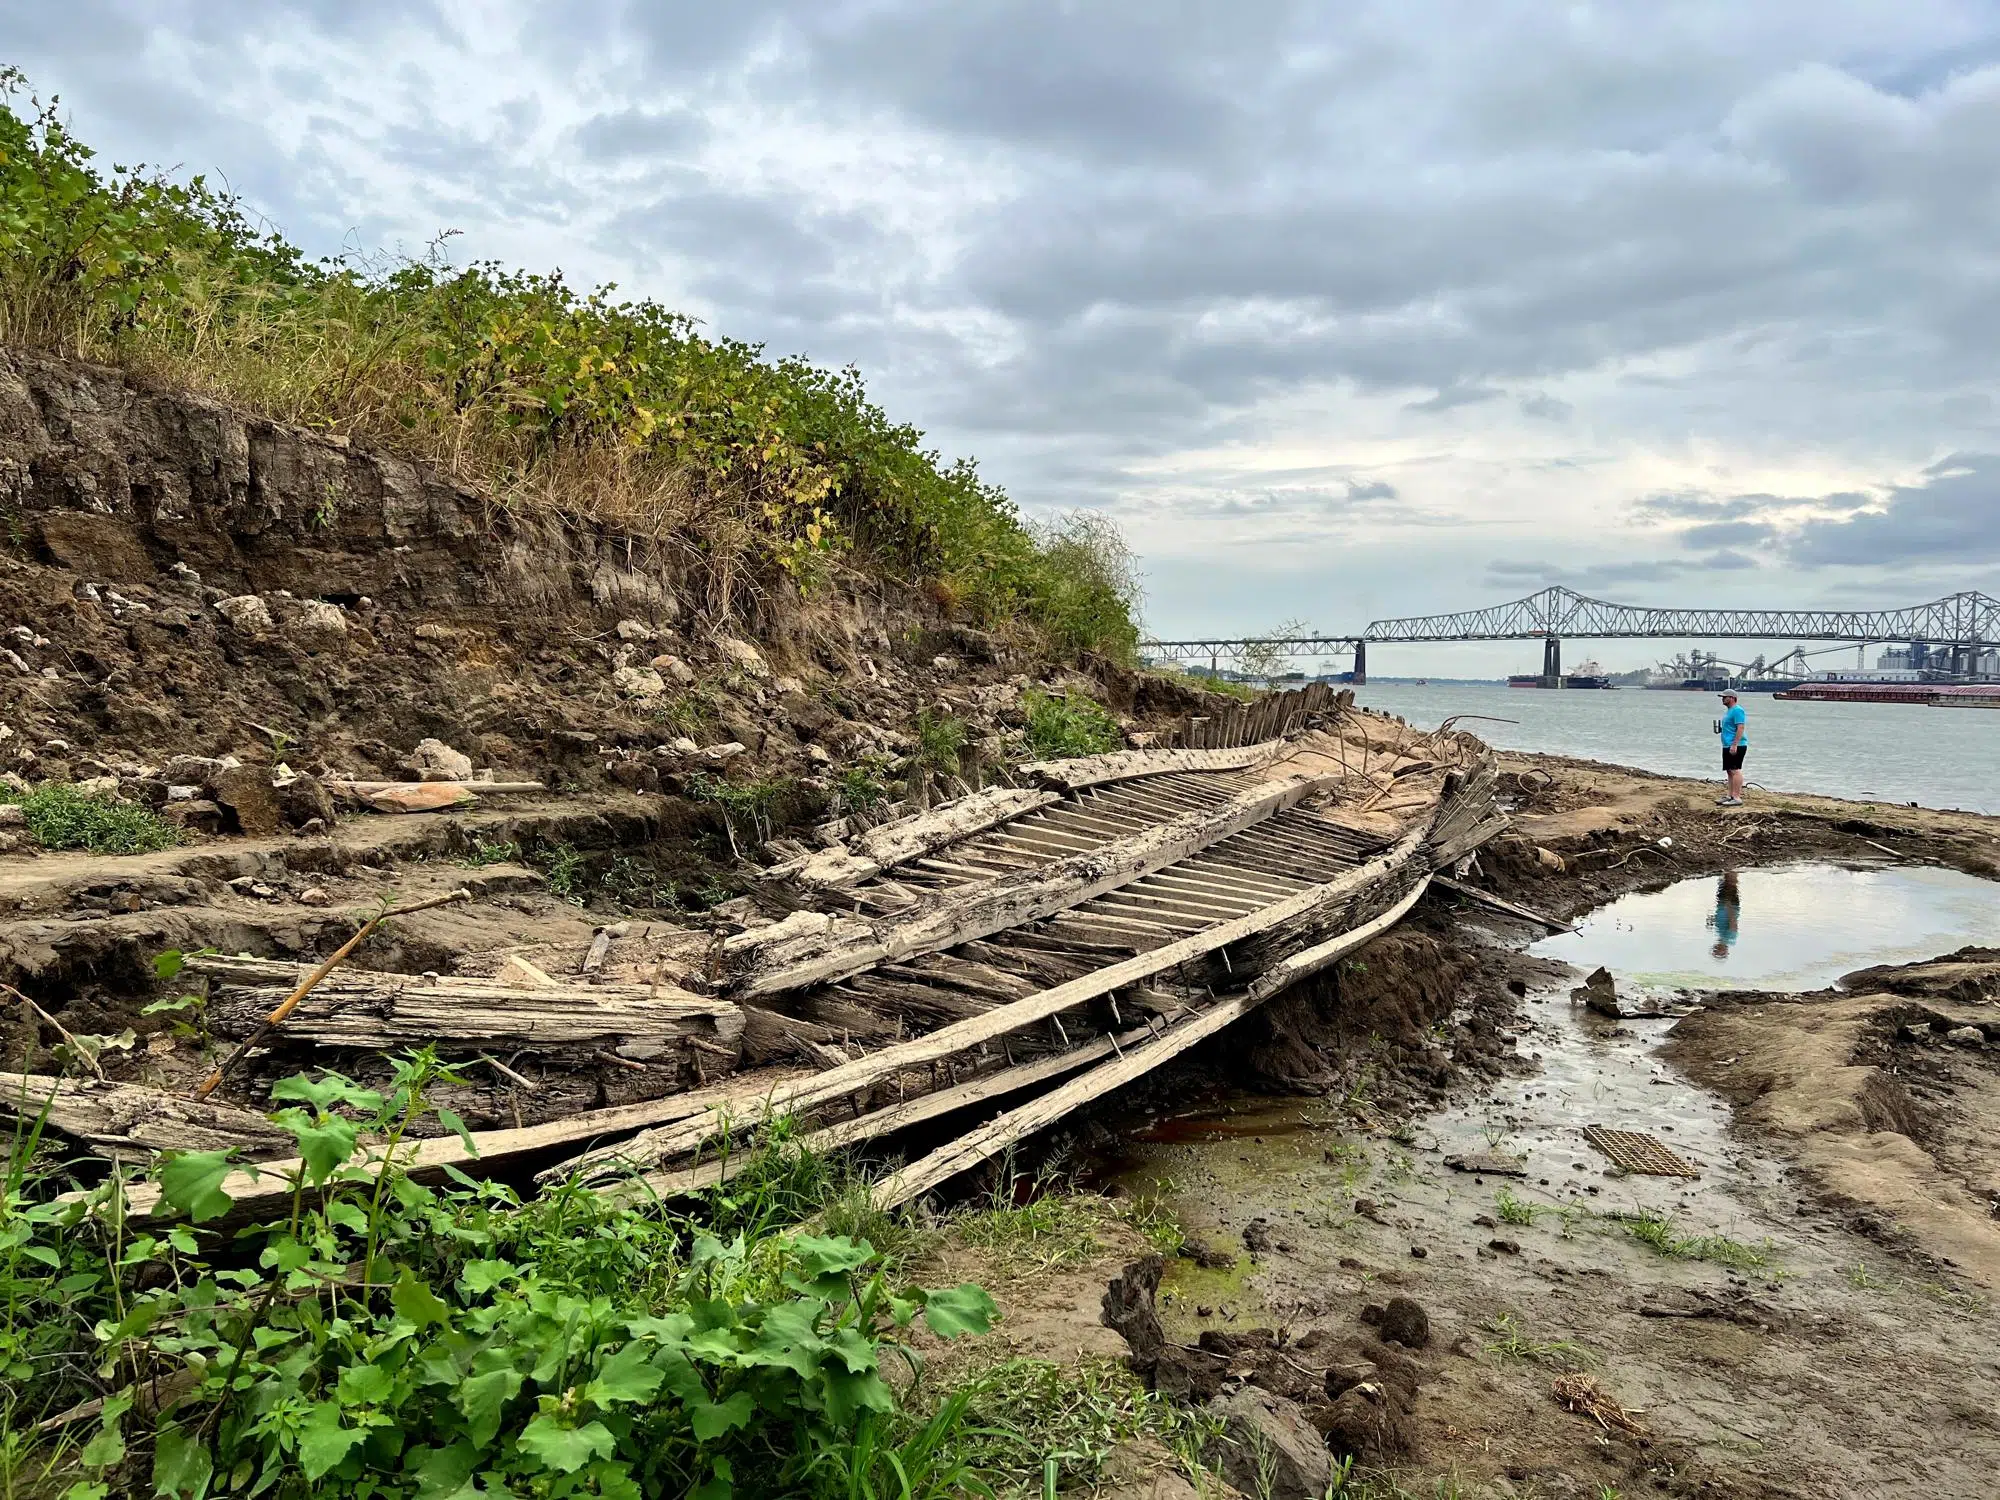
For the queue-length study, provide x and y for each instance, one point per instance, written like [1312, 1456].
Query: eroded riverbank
[1811, 1315]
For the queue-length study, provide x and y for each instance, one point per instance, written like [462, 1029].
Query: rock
[316, 625]
[944, 666]
[246, 612]
[434, 760]
[1504, 1247]
[1267, 1447]
[245, 794]
[1920, 1033]
[673, 667]
[104, 787]
[15, 783]
[416, 797]
[634, 775]
[1418, 1252]
[729, 751]
[199, 814]
[639, 682]
[635, 630]
[615, 585]
[195, 770]
[1405, 1322]
[1966, 1036]
[1257, 1236]
[680, 744]
[784, 685]
[303, 799]
[1133, 1473]
[743, 656]
[12, 815]
[818, 756]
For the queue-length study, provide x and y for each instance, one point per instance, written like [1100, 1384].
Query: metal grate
[1639, 1153]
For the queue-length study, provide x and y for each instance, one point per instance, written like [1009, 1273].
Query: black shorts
[1732, 757]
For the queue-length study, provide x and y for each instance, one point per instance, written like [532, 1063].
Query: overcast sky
[1342, 310]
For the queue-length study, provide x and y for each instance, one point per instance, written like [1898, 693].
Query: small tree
[1263, 657]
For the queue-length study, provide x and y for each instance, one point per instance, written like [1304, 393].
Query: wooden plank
[132, 1120]
[1487, 898]
[663, 1145]
[919, 1177]
[908, 838]
[1127, 765]
[849, 948]
[270, 1186]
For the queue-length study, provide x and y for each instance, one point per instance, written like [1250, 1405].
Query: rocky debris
[246, 612]
[1257, 1237]
[434, 760]
[415, 797]
[12, 815]
[1599, 992]
[1370, 1409]
[639, 682]
[1268, 1448]
[673, 667]
[1489, 1164]
[245, 794]
[303, 800]
[315, 625]
[1966, 1036]
[635, 630]
[743, 656]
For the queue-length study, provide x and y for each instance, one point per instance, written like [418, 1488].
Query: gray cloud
[1953, 515]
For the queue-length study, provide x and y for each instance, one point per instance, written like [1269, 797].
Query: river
[1874, 752]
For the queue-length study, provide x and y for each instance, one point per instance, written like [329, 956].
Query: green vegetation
[619, 412]
[1070, 1417]
[1659, 1232]
[389, 1339]
[492, 852]
[61, 817]
[1513, 1210]
[1512, 1341]
[1050, 1230]
[1065, 725]
[859, 787]
[749, 804]
[565, 871]
[940, 745]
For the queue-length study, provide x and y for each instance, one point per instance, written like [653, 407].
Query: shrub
[61, 817]
[616, 411]
[1060, 726]
[384, 1338]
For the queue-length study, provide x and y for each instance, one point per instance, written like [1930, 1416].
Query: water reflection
[1727, 917]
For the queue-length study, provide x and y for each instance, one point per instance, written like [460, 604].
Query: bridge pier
[1552, 662]
[1360, 677]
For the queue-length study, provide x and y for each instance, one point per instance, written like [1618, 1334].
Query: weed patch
[1512, 1341]
[1514, 1210]
[61, 817]
[1659, 1233]
[1049, 1231]
[491, 852]
[1057, 1424]
[1063, 726]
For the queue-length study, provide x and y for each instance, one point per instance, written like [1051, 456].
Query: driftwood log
[356, 1008]
[130, 1119]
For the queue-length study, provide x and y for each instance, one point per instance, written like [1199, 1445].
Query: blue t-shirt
[1734, 731]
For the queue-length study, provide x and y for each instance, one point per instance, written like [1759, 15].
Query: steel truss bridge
[1960, 623]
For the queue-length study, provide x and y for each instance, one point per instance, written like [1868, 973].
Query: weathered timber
[130, 1119]
[920, 1176]
[357, 1008]
[911, 838]
[848, 947]
[1128, 765]
[270, 1186]
[1500, 904]
[656, 1147]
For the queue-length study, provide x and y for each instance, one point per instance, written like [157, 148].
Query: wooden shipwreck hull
[1000, 960]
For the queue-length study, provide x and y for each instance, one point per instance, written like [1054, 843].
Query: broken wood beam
[1500, 904]
[876, 850]
[1128, 765]
[920, 1176]
[129, 1118]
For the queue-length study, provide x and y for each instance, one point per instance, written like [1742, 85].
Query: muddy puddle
[1313, 1206]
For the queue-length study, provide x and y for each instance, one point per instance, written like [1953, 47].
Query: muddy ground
[1810, 1316]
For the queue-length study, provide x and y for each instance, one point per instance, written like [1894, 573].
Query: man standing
[1735, 745]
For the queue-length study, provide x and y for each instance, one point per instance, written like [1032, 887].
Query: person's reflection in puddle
[1728, 914]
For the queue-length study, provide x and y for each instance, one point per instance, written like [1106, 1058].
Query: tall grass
[583, 403]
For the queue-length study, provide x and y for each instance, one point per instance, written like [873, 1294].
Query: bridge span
[1961, 624]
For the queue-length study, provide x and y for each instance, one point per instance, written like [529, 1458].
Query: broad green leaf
[416, 1302]
[846, 1395]
[323, 1442]
[627, 1376]
[365, 1385]
[713, 1418]
[565, 1449]
[614, 1480]
[344, 1213]
[325, 1091]
[787, 1340]
[324, 1146]
[851, 1349]
[957, 1310]
[105, 1449]
[482, 1398]
[481, 1276]
[191, 1182]
[181, 1465]
[168, 965]
[829, 1256]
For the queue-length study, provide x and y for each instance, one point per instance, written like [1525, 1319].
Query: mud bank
[1810, 1315]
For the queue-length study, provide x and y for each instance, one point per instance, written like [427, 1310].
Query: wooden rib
[664, 1144]
[1101, 770]
[1008, 901]
[919, 1177]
